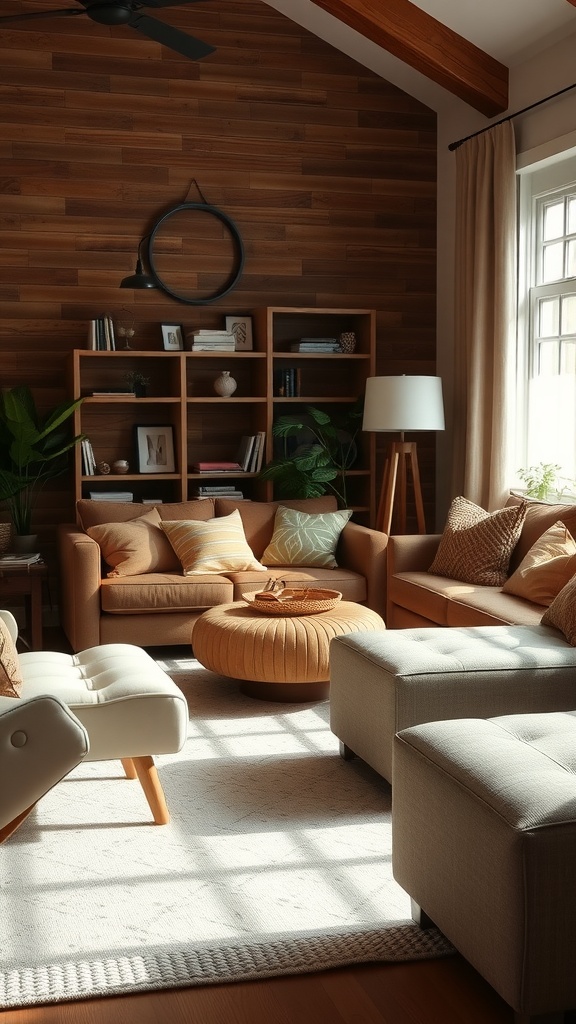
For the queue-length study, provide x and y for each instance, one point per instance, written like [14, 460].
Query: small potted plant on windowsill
[33, 449]
[543, 483]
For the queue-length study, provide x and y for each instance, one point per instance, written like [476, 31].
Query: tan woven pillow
[10, 678]
[562, 612]
[135, 547]
[546, 568]
[476, 545]
[218, 545]
[303, 539]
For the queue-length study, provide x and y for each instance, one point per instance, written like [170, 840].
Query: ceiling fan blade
[171, 37]
[65, 12]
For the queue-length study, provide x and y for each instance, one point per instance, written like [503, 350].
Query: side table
[26, 581]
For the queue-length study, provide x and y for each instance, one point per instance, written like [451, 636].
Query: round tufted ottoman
[277, 657]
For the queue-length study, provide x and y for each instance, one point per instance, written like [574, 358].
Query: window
[546, 370]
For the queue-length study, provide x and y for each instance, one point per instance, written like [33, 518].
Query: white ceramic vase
[225, 385]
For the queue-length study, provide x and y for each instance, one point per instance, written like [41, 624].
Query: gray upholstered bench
[382, 682]
[484, 841]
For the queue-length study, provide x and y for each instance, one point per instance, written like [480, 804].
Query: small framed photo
[155, 449]
[241, 327]
[172, 337]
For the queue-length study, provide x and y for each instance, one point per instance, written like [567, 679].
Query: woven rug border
[165, 969]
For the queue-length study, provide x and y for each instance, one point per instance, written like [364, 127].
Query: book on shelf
[101, 334]
[216, 489]
[12, 560]
[111, 496]
[114, 393]
[315, 346]
[151, 501]
[217, 467]
[235, 495]
[245, 449]
[88, 460]
[212, 341]
[289, 382]
[258, 452]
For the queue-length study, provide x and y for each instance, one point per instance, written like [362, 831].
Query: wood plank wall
[327, 170]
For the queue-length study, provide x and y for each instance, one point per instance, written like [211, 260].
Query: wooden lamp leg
[400, 453]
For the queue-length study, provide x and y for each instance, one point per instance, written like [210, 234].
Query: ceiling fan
[127, 12]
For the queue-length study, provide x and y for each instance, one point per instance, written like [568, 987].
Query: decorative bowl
[294, 601]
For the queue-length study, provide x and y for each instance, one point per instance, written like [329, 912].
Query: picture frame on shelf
[172, 337]
[155, 448]
[241, 328]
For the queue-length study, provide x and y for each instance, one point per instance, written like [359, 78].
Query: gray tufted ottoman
[484, 841]
[384, 681]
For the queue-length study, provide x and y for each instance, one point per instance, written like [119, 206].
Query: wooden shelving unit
[209, 428]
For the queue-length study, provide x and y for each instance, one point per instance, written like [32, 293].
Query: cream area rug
[276, 861]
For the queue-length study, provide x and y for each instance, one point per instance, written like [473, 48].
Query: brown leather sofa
[159, 608]
[416, 597]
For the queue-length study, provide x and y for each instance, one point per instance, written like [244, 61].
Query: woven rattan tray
[303, 601]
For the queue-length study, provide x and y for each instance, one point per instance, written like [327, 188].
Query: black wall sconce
[139, 280]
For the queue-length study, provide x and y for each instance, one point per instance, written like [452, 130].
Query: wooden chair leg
[129, 769]
[148, 776]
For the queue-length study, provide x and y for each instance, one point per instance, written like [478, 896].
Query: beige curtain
[485, 320]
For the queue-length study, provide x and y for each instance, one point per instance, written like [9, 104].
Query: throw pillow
[303, 539]
[10, 678]
[217, 545]
[476, 545]
[562, 612]
[546, 568]
[135, 547]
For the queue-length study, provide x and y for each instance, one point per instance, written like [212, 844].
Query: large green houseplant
[32, 450]
[325, 450]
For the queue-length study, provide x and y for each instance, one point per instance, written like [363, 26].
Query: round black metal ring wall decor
[173, 244]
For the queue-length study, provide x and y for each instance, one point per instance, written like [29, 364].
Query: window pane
[553, 221]
[549, 318]
[553, 265]
[572, 215]
[568, 357]
[571, 258]
[569, 314]
[547, 358]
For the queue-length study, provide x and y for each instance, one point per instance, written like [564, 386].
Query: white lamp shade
[403, 403]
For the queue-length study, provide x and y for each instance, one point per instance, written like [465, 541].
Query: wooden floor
[444, 991]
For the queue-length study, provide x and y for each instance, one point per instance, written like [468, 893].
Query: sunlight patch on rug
[277, 860]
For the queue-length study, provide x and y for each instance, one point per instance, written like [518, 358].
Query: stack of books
[251, 452]
[220, 491]
[111, 496]
[101, 334]
[212, 341]
[13, 561]
[288, 382]
[315, 345]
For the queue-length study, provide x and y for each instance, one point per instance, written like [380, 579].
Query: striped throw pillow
[10, 679]
[217, 545]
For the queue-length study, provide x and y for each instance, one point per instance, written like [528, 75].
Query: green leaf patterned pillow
[303, 539]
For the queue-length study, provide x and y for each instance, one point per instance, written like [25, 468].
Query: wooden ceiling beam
[430, 48]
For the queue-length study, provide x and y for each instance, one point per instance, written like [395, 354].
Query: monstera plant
[324, 449]
[33, 450]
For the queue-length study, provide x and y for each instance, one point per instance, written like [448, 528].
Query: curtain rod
[455, 145]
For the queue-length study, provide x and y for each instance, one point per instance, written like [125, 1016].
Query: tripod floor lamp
[397, 404]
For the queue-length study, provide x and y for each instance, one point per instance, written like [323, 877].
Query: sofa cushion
[135, 547]
[10, 676]
[303, 539]
[95, 513]
[258, 516]
[351, 585]
[211, 547]
[476, 545]
[158, 592]
[546, 568]
[539, 517]
[562, 612]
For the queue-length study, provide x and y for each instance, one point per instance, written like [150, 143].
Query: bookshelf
[208, 428]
